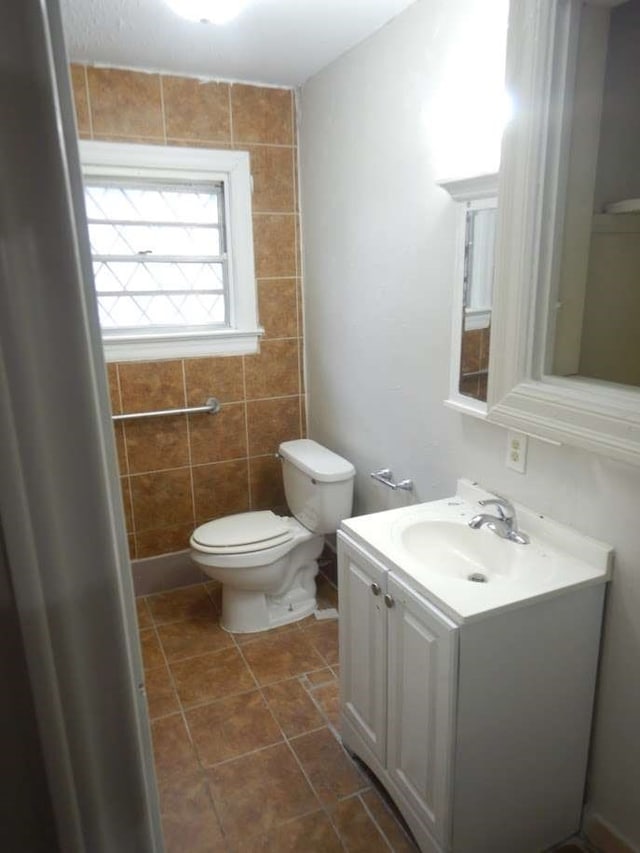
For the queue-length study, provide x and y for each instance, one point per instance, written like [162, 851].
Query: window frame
[232, 168]
[476, 192]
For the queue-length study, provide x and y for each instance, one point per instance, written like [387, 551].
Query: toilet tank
[318, 484]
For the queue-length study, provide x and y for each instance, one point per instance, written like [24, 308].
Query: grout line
[285, 740]
[162, 111]
[230, 107]
[374, 821]
[189, 453]
[88, 96]
[277, 278]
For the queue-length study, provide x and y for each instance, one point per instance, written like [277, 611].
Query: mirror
[480, 234]
[473, 291]
[565, 359]
[598, 307]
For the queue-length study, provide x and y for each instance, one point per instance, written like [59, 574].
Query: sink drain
[478, 577]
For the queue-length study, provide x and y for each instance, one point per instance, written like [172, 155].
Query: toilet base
[247, 611]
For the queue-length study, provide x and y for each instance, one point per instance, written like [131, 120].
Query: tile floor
[244, 732]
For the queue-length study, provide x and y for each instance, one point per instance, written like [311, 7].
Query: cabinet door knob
[375, 589]
[388, 600]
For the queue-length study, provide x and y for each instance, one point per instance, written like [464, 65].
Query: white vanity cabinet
[478, 730]
[389, 634]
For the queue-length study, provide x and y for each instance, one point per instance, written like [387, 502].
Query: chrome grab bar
[385, 476]
[211, 405]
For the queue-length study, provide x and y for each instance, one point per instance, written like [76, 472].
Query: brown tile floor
[244, 732]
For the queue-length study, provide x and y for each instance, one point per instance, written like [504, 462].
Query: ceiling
[281, 42]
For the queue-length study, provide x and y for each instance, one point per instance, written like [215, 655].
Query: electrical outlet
[517, 451]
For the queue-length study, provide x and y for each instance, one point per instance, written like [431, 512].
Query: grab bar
[211, 405]
[385, 476]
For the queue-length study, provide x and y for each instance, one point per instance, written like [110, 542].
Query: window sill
[468, 406]
[158, 347]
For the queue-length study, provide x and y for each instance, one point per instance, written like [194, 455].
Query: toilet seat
[242, 533]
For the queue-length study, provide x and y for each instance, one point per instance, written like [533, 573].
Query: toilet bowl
[267, 563]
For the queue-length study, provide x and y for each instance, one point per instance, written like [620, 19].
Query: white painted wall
[379, 259]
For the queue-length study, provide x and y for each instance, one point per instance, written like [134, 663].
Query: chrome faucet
[504, 524]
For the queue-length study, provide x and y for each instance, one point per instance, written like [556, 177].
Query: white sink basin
[472, 572]
[454, 549]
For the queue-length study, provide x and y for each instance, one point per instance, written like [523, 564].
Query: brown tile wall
[180, 471]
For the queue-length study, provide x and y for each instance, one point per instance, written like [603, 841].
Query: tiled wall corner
[180, 471]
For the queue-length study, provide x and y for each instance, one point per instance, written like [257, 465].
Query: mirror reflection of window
[480, 231]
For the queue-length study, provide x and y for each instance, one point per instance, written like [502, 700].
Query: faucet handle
[501, 504]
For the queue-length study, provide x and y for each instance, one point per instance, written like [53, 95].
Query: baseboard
[604, 837]
[167, 571]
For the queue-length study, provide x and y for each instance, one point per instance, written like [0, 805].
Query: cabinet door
[422, 645]
[363, 661]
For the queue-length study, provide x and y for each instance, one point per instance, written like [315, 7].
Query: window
[477, 199]
[171, 242]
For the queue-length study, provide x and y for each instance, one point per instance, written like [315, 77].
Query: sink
[470, 572]
[454, 549]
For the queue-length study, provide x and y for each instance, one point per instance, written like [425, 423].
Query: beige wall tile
[114, 388]
[301, 364]
[79, 90]
[220, 489]
[133, 553]
[118, 432]
[274, 245]
[150, 385]
[261, 115]
[273, 184]
[155, 444]
[127, 106]
[216, 438]
[195, 110]
[277, 307]
[126, 502]
[125, 103]
[270, 422]
[220, 377]
[273, 372]
[162, 499]
[167, 540]
[265, 482]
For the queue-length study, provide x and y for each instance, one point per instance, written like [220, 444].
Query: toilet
[267, 563]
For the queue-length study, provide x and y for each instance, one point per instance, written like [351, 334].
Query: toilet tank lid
[317, 461]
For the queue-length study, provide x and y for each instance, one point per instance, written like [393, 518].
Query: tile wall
[180, 471]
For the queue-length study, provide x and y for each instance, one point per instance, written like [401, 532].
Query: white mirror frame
[597, 416]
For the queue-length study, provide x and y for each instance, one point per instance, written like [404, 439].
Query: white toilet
[267, 563]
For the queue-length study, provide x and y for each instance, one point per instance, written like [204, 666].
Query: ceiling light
[208, 11]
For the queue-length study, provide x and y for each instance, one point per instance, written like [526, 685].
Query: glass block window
[159, 256]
